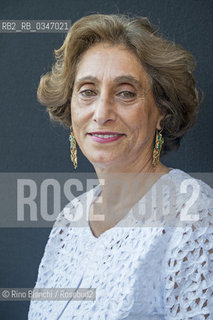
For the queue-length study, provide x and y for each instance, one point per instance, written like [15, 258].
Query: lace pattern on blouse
[138, 273]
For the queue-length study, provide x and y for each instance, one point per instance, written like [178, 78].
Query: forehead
[108, 62]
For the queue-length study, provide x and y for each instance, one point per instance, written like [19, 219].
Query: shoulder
[188, 269]
[179, 176]
[191, 193]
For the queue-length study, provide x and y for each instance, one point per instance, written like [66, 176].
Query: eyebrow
[118, 80]
[87, 79]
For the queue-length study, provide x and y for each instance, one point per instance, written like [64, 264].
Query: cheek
[76, 113]
[138, 118]
[142, 121]
[75, 116]
[79, 114]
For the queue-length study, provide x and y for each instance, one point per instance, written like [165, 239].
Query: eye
[127, 94]
[88, 93]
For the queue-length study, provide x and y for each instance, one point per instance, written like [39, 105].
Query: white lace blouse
[153, 268]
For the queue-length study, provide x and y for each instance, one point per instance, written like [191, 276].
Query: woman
[128, 95]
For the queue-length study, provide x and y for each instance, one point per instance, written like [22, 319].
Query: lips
[105, 136]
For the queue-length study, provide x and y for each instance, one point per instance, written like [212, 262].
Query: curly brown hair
[169, 67]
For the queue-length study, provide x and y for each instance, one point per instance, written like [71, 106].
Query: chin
[103, 162]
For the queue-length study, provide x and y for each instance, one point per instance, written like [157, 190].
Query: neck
[121, 189]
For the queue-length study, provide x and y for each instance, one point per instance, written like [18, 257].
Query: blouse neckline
[94, 195]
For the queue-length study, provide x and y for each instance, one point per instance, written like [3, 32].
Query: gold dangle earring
[73, 148]
[159, 141]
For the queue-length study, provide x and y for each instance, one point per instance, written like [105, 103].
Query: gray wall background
[30, 143]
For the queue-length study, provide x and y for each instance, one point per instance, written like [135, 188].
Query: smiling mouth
[103, 137]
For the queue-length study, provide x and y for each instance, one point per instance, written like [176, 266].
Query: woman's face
[114, 115]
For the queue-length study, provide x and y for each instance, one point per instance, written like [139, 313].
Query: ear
[158, 123]
[161, 116]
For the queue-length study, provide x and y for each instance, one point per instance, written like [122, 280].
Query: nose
[104, 110]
